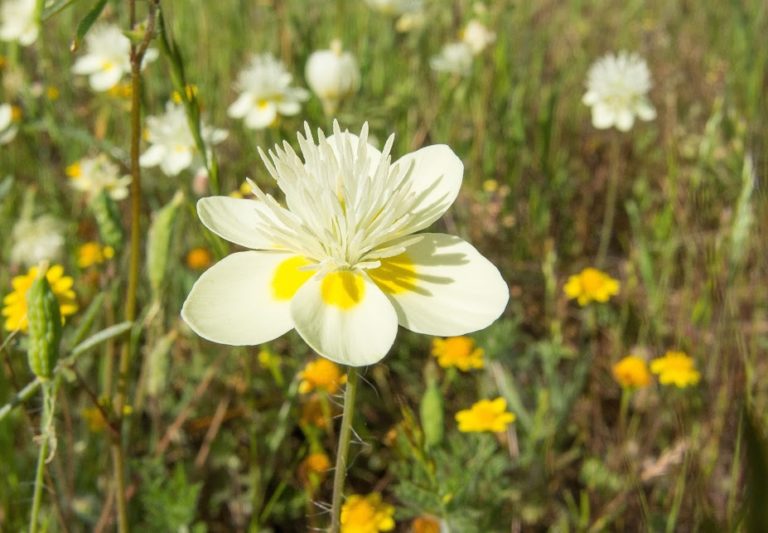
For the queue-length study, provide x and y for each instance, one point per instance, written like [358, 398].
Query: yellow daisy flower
[366, 514]
[632, 371]
[485, 415]
[93, 253]
[591, 285]
[15, 303]
[459, 352]
[321, 374]
[676, 368]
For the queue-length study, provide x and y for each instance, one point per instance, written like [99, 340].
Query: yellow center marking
[395, 275]
[289, 278]
[344, 289]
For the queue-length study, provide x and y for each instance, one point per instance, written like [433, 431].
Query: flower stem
[46, 421]
[610, 200]
[345, 432]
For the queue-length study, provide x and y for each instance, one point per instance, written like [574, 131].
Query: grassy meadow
[218, 438]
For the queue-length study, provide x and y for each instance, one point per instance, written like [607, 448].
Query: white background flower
[477, 36]
[265, 91]
[107, 57]
[37, 240]
[17, 21]
[8, 127]
[341, 263]
[396, 7]
[172, 144]
[332, 75]
[617, 89]
[92, 175]
[454, 58]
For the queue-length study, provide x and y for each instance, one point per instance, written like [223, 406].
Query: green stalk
[610, 200]
[345, 433]
[46, 422]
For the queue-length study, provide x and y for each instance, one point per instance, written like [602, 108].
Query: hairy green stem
[345, 433]
[46, 422]
[610, 200]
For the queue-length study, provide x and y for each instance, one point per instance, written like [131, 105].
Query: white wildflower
[18, 21]
[454, 58]
[333, 75]
[37, 240]
[92, 175]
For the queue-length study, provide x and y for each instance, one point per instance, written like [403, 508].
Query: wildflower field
[426, 266]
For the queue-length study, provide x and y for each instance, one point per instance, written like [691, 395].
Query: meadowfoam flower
[485, 415]
[458, 352]
[454, 58]
[18, 21]
[107, 58]
[591, 285]
[9, 118]
[173, 147]
[341, 263]
[266, 92]
[676, 368]
[632, 372]
[321, 374]
[477, 36]
[617, 89]
[333, 75]
[92, 175]
[366, 514]
[37, 240]
[15, 303]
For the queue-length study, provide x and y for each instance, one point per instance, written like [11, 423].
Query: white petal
[105, 79]
[356, 335]
[150, 55]
[437, 174]
[260, 117]
[625, 120]
[288, 107]
[373, 153]
[451, 289]
[235, 220]
[241, 106]
[176, 160]
[645, 110]
[153, 156]
[87, 64]
[602, 116]
[233, 302]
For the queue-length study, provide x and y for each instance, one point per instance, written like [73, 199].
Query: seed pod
[44, 328]
[159, 242]
[431, 410]
[108, 219]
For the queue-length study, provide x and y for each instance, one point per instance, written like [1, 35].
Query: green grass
[689, 248]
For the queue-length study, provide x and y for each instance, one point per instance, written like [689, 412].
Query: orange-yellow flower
[15, 303]
[676, 368]
[93, 253]
[366, 514]
[199, 258]
[591, 285]
[321, 374]
[459, 352]
[425, 524]
[632, 371]
[485, 415]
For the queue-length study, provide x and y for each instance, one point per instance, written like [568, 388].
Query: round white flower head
[37, 240]
[265, 91]
[477, 36]
[341, 262]
[454, 58]
[17, 21]
[396, 7]
[107, 57]
[92, 175]
[8, 126]
[333, 75]
[172, 143]
[617, 89]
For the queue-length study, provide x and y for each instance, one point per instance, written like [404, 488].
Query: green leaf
[86, 23]
[102, 336]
